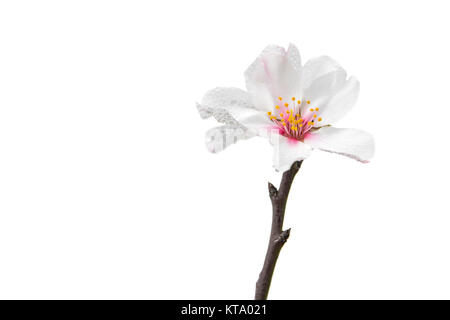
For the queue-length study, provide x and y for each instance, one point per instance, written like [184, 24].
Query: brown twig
[278, 237]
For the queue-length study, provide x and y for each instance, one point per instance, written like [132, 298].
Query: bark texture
[278, 237]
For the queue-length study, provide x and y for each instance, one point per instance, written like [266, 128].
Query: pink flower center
[289, 119]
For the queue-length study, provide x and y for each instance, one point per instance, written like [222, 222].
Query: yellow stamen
[269, 113]
[281, 115]
[317, 109]
[299, 102]
[315, 116]
[320, 119]
[280, 98]
[272, 117]
[310, 123]
[277, 107]
[308, 102]
[311, 109]
[293, 98]
[294, 128]
[286, 104]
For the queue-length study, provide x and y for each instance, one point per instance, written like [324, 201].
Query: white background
[107, 189]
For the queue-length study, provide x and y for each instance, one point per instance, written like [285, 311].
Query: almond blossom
[294, 106]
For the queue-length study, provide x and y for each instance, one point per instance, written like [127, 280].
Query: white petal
[322, 89]
[217, 103]
[254, 120]
[352, 143]
[323, 86]
[293, 55]
[275, 73]
[233, 107]
[317, 67]
[286, 151]
[341, 102]
[261, 96]
[219, 138]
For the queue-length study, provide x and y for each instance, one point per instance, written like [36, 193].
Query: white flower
[292, 105]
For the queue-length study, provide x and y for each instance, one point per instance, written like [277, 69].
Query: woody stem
[278, 237]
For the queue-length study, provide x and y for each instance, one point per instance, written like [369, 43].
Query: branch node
[273, 192]
[283, 236]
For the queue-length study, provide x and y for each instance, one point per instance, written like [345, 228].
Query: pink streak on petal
[278, 129]
[308, 135]
[292, 141]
